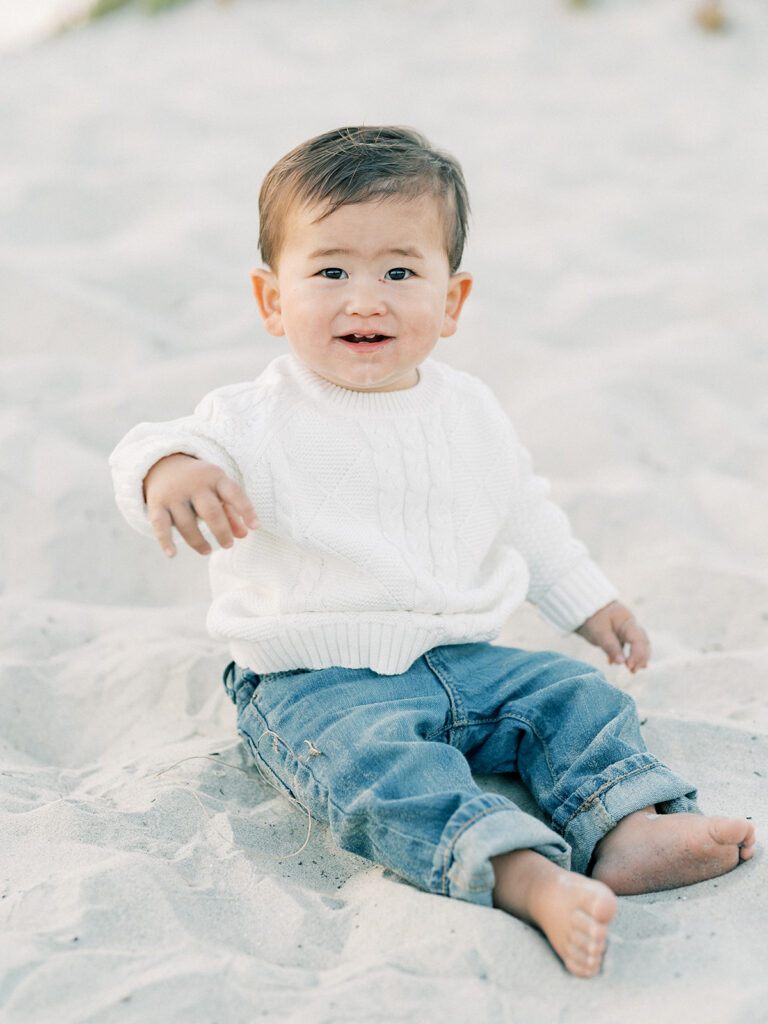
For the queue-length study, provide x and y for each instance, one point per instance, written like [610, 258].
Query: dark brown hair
[358, 165]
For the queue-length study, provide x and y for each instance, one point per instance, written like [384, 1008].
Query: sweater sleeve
[565, 583]
[202, 435]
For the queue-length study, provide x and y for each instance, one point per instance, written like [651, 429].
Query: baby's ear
[459, 287]
[267, 292]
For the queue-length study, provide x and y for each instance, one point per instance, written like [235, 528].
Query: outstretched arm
[180, 490]
[614, 629]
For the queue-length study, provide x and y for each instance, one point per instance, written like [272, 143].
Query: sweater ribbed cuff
[132, 460]
[582, 592]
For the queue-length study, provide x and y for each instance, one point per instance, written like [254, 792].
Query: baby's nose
[366, 298]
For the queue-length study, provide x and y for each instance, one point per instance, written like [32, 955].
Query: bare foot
[573, 911]
[647, 852]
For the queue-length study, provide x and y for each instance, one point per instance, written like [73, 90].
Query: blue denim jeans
[387, 761]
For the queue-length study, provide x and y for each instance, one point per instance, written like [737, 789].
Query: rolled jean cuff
[641, 786]
[483, 827]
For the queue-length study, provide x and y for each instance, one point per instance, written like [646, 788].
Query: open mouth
[365, 339]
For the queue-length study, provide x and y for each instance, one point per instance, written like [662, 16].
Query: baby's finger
[209, 508]
[602, 635]
[235, 497]
[185, 521]
[639, 646]
[161, 521]
[236, 525]
[613, 648]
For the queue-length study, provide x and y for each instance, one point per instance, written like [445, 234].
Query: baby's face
[364, 294]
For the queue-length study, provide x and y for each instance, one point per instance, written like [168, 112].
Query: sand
[617, 160]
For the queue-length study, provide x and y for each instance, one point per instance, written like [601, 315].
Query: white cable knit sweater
[391, 522]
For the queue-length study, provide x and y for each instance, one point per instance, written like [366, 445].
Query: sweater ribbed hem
[384, 648]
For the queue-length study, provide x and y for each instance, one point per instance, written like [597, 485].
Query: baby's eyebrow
[409, 251]
[323, 253]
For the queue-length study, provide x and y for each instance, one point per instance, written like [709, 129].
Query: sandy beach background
[617, 158]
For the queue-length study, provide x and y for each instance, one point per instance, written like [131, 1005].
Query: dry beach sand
[617, 159]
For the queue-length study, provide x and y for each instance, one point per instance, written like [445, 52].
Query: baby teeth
[365, 338]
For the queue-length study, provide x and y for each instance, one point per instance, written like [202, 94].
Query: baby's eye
[333, 273]
[398, 274]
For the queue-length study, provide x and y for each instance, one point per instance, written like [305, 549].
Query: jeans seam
[322, 787]
[607, 785]
[494, 721]
[299, 763]
[458, 715]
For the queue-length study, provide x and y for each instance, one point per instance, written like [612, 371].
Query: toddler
[399, 525]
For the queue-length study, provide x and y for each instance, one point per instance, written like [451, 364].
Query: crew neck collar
[371, 402]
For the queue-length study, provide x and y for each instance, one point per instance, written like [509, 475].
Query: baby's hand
[180, 489]
[613, 628]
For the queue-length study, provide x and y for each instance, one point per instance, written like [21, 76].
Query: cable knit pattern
[391, 522]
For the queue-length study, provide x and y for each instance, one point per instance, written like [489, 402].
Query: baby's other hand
[613, 629]
[181, 489]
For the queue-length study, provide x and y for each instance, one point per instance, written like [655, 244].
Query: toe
[732, 831]
[747, 850]
[587, 946]
[604, 906]
[748, 841]
[583, 963]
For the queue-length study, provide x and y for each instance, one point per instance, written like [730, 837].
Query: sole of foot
[649, 852]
